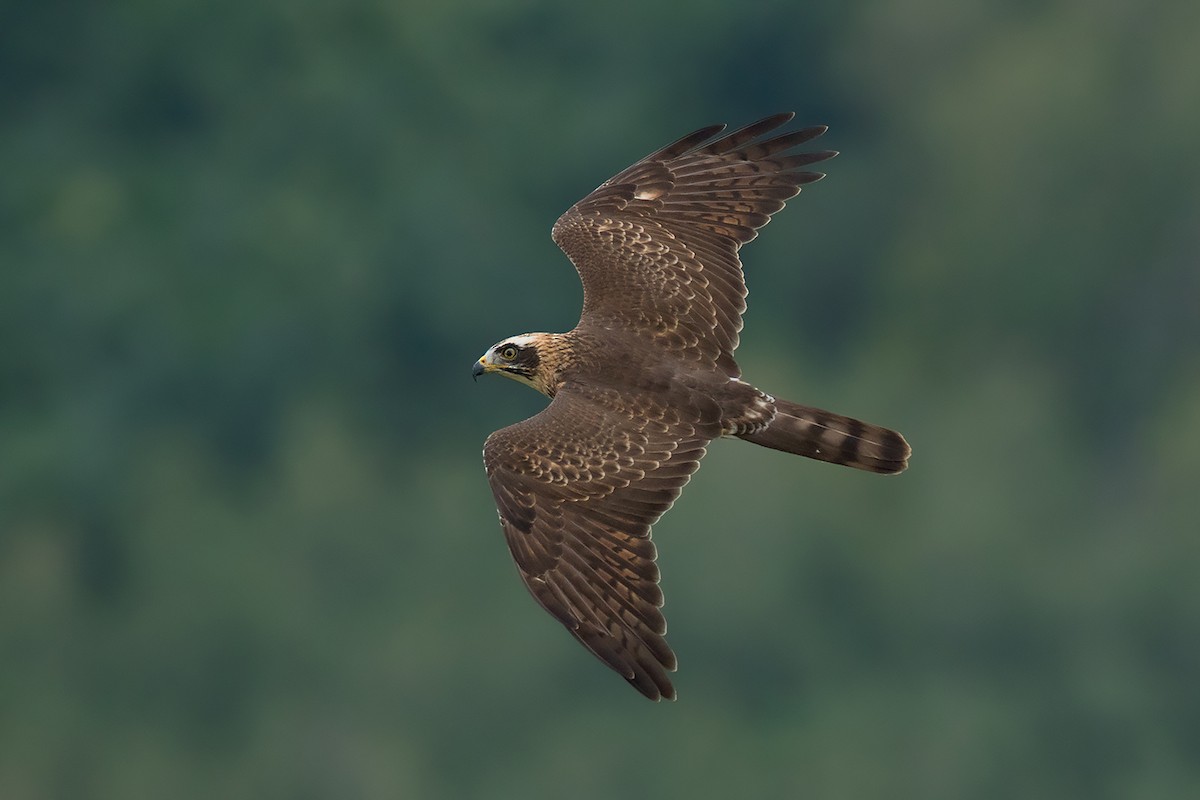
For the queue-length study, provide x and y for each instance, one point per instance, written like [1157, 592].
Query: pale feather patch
[649, 194]
[524, 340]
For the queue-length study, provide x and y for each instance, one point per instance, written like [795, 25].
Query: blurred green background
[249, 252]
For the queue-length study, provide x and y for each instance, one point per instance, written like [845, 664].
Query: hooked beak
[480, 368]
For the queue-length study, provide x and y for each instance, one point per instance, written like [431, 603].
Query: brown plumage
[645, 381]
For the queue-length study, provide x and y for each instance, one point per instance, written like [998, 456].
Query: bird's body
[645, 381]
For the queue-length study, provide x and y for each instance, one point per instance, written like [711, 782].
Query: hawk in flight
[645, 381]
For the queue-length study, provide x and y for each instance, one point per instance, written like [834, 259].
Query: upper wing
[656, 246]
[577, 488]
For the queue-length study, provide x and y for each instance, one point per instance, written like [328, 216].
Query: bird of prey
[645, 381]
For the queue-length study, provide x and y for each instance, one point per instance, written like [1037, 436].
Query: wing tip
[685, 144]
[774, 120]
[654, 690]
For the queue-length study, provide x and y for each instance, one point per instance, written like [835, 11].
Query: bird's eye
[508, 353]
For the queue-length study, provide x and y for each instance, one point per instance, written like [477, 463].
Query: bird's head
[516, 357]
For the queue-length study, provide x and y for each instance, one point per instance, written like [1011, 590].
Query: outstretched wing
[577, 488]
[656, 246]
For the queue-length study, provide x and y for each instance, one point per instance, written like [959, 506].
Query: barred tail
[826, 436]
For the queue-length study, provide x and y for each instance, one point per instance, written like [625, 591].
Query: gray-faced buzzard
[645, 381]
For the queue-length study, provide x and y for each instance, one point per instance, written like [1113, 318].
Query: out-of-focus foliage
[249, 251]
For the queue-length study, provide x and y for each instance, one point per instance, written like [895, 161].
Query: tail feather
[826, 436]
